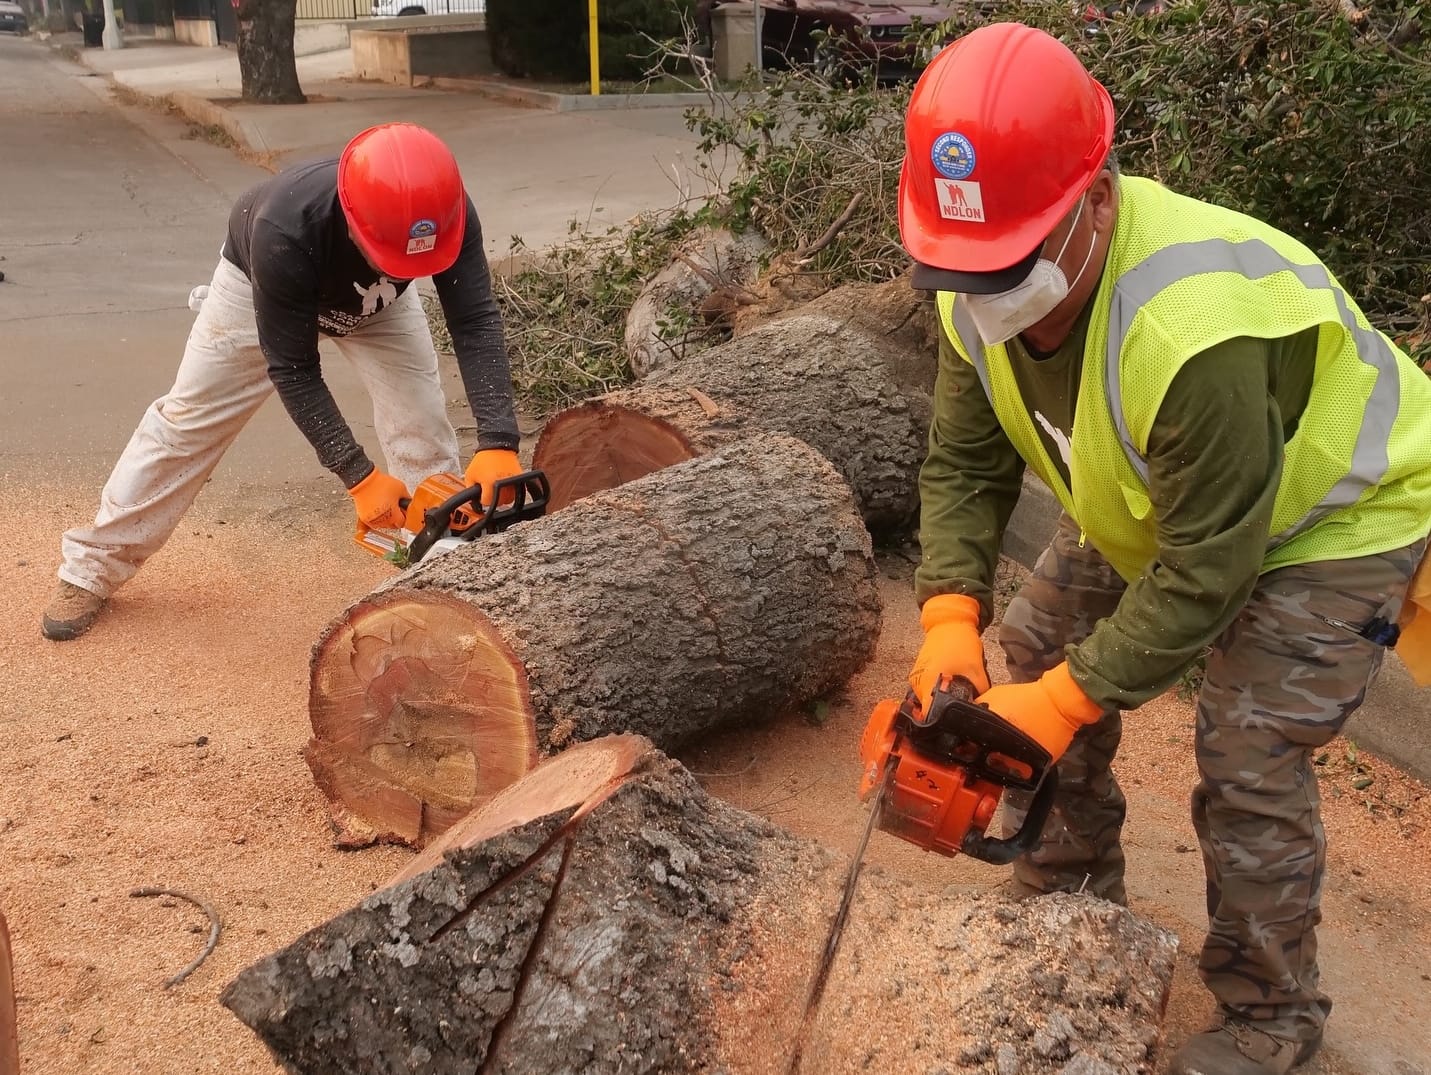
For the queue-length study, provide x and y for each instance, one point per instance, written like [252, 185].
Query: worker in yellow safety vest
[1244, 465]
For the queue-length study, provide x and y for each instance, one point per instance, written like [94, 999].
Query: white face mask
[1003, 316]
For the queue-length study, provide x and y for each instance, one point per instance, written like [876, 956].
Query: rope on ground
[214, 927]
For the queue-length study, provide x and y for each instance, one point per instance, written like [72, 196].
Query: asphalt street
[110, 214]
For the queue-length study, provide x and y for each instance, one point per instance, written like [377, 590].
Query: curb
[564, 102]
[192, 106]
[203, 111]
[1393, 723]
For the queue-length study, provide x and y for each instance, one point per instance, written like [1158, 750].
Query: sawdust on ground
[163, 749]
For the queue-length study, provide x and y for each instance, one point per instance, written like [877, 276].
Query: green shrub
[1293, 114]
[548, 39]
[1283, 110]
[1287, 111]
[537, 38]
[565, 315]
[803, 153]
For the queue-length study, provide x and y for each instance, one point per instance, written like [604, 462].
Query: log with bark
[9, 1024]
[684, 307]
[895, 310]
[839, 387]
[725, 590]
[606, 915]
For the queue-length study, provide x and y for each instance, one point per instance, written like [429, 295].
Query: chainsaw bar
[842, 914]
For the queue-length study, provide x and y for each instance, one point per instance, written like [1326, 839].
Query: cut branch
[805, 253]
[214, 928]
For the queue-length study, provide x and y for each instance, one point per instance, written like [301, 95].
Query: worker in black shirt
[328, 248]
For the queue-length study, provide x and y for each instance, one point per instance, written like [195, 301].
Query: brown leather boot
[71, 612]
[1237, 1048]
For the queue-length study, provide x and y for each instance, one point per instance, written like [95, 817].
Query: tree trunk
[724, 590]
[9, 1032]
[839, 387]
[605, 915]
[265, 51]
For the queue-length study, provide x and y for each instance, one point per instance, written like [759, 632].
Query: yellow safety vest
[1181, 277]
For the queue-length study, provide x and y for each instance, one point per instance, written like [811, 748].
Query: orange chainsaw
[936, 779]
[443, 514]
[940, 775]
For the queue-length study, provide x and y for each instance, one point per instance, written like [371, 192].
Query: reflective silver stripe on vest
[969, 336]
[1254, 259]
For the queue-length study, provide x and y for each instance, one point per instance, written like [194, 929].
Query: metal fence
[314, 10]
[334, 9]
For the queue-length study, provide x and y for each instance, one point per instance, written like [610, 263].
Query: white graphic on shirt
[381, 294]
[1059, 437]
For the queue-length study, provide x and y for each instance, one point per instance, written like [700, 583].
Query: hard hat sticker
[953, 155]
[960, 201]
[422, 237]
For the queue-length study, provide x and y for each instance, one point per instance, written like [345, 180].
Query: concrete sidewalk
[532, 172]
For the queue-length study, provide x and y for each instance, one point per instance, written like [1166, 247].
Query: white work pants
[222, 381]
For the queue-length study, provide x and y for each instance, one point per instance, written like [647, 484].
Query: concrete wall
[196, 32]
[406, 53]
[380, 56]
[310, 38]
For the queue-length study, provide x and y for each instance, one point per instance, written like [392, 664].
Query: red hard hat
[403, 197]
[1005, 131]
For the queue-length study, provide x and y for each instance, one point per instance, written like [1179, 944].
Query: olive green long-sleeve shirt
[1214, 462]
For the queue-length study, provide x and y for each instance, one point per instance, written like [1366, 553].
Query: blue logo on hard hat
[953, 155]
[421, 229]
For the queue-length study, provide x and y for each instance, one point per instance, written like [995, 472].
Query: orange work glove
[491, 466]
[952, 646]
[1049, 710]
[375, 499]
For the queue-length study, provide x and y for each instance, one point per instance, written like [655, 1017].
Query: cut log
[605, 915]
[725, 590]
[9, 1021]
[843, 389]
[688, 303]
[894, 309]
[419, 711]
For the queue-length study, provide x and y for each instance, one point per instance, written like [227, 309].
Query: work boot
[71, 612]
[1238, 1048]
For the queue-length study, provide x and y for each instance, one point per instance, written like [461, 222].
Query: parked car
[386, 9]
[846, 36]
[12, 17]
[1095, 15]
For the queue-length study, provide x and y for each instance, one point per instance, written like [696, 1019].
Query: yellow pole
[595, 48]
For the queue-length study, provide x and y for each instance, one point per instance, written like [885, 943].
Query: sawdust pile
[935, 983]
[105, 785]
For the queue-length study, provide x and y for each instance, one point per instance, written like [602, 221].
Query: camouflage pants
[1281, 681]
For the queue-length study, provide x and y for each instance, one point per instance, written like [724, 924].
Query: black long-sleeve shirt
[290, 238]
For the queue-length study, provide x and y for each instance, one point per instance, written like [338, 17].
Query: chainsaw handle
[435, 521]
[1002, 851]
[948, 691]
[530, 493]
